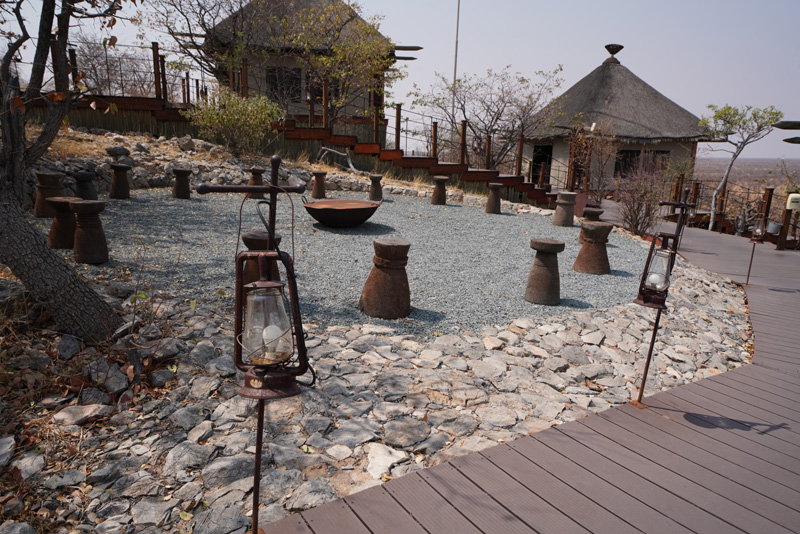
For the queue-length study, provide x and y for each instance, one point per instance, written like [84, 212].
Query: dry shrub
[640, 192]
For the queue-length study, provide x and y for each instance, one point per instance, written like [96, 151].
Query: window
[283, 84]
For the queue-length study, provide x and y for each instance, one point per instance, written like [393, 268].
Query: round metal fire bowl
[341, 213]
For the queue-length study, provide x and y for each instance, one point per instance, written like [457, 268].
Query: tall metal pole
[649, 356]
[455, 61]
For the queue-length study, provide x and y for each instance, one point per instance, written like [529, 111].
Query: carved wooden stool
[120, 188]
[84, 185]
[593, 256]
[258, 241]
[493, 202]
[544, 284]
[565, 209]
[256, 178]
[439, 197]
[386, 293]
[181, 189]
[50, 185]
[318, 191]
[62, 229]
[375, 189]
[90, 244]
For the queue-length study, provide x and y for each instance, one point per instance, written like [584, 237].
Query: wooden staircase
[540, 195]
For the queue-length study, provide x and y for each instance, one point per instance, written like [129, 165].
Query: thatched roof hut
[625, 105]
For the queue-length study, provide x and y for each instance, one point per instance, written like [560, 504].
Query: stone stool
[493, 202]
[386, 293]
[120, 188]
[544, 284]
[590, 214]
[90, 244]
[565, 209]
[375, 189]
[62, 229]
[180, 189]
[256, 178]
[50, 185]
[593, 257]
[84, 185]
[318, 191]
[439, 197]
[258, 241]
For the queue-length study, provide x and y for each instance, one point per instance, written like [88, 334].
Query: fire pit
[341, 213]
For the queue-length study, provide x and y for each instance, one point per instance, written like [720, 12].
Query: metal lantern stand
[757, 237]
[272, 381]
[654, 284]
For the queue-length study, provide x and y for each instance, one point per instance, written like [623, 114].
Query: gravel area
[466, 269]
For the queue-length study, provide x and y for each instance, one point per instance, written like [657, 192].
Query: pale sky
[695, 53]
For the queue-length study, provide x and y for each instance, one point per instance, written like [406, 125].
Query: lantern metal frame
[756, 238]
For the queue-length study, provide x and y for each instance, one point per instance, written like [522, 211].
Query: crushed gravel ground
[467, 269]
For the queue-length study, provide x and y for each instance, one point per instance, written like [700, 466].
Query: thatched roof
[621, 104]
[260, 22]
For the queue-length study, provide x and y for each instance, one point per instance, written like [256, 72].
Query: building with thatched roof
[605, 122]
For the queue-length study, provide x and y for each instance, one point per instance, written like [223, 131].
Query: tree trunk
[712, 217]
[76, 308]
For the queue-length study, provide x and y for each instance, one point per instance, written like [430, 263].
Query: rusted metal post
[163, 62]
[463, 150]
[311, 107]
[766, 204]
[183, 90]
[375, 129]
[397, 113]
[695, 193]
[325, 102]
[188, 89]
[73, 65]
[787, 219]
[197, 89]
[435, 140]
[488, 162]
[649, 357]
[520, 149]
[243, 79]
[275, 162]
[156, 71]
[541, 176]
[677, 187]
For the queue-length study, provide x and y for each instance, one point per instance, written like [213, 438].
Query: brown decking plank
[762, 385]
[770, 433]
[381, 513]
[775, 403]
[293, 524]
[334, 517]
[474, 503]
[581, 508]
[722, 429]
[641, 463]
[775, 364]
[427, 506]
[752, 510]
[792, 380]
[523, 503]
[628, 507]
[755, 372]
[714, 454]
[642, 488]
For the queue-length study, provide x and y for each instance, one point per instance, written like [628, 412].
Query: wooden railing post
[311, 107]
[197, 90]
[73, 65]
[156, 71]
[677, 188]
[435, 140]
[243, 79]
[325, 102]
[766, 204]
[520, 149]
[462, 156]
[488, 162]
[162, 61]
[784, 231]
[397, 110]
[375, 129]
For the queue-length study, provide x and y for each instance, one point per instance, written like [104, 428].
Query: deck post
[488, 162]
[435, 140]
[463, 147]
[397, 109]
[766, 203]
[162, 61]
[73, 65]
[156, 71]
[325, 102]
[375, 129]
[311, 106]
[677, 187]
[520, 149]
[243, 79]
[784, 231]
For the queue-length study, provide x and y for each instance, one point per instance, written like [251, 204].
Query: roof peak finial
[614, 48]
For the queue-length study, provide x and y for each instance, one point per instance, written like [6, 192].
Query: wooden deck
[721, 455]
